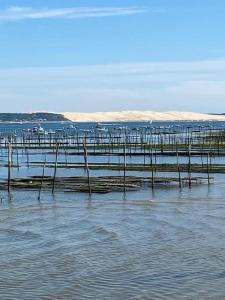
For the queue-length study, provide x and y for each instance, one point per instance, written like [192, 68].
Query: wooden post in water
[178, 166]
[87, 166]
[9, 166]
[152, 167]
[144, 154]
[12, 151]
[55, 168]
[208, 168]
[124, 164]
[201, 149]
[189, 164]
[17, 158]
[65, 153]
[27, 155]
[155, 156]
[42, 179]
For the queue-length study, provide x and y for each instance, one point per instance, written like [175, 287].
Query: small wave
[104, 231]
[19, 235]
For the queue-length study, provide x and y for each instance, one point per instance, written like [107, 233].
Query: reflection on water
[166, 245]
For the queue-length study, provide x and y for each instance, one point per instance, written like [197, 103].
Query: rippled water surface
[161, 244]
[168, 244]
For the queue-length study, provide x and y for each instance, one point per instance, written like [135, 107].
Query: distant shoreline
[32, 122]
[101, 117]
[106, 122]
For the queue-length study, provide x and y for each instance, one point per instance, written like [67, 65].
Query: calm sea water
[11, 127]
[166, 244]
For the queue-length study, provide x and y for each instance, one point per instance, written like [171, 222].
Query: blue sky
[92, 55]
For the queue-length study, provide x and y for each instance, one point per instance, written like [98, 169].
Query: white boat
[38, 130]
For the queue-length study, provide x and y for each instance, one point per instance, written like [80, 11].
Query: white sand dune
[140, 116]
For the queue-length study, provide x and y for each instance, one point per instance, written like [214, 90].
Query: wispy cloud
[186, 86]
[17, 13]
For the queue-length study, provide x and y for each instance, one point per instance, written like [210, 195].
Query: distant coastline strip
[123, 116]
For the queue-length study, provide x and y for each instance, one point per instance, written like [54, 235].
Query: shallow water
[161, 244]
[168, 244]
